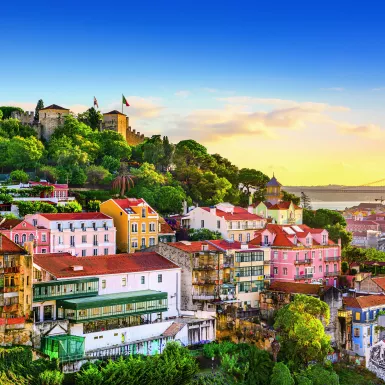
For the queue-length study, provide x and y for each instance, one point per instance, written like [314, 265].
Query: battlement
[26, 117]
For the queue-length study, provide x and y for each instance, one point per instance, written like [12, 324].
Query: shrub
[19, 176]
[49, 377]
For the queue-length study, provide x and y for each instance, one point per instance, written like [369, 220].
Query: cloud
[210, 90]
[371, 131]
[378, 89]
[183, 94]
[337, 89]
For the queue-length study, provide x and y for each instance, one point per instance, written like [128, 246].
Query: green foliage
[287, 197]
[91, 117]
[352, 254]
[7, 111]
[338, 232]
[251, 178]
[49, 173]
[147, 175]
[24, 152]
[96, 174]
[14, 356]
[39, 106]
[51, 377]
[26, 208]
[322, 218]
[170, 199]
[70, 207]
[203, 235]
[110, 163]
[281, 375]
[1, 114]
[89, 376]
[319, 375]
[344, 267]
[18, 176]
[93, 205]
[13, 127]
[305, 201]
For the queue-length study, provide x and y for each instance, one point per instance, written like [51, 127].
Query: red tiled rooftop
[8, 246]
[380, 281]
[192, 246]
[59, 264]
[129, 203]
[298, 288]
[75, 216]
[165, 229]
[173, 329]
[54, 185]
[364, 301]
[10, 224]
[239, 213]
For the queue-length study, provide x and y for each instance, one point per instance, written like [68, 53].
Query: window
[43, 251]
[275, 254]
[266, 239]
[124, 282]
[94, 225]
[152, 227]
[83, 253]
[59, 227]
[143, 227]
[369, 331]
[105, 237]
[23, 239]
[143, 243]
[71, 226]
[230, 225]
[34, 222]
[312, 254]
[106, 251]
[324, 239]
[232, 237]
[60, 240]
[275, 270]
[335, 267]
[356, 332]
[320, 255]
[72, 240]
[95, 240]
[152, 242]
[44, 237]
[320, 269]
[248, 237]
[31, 237]
[95, 252]
[202, 223]
[218, 224]
[82, 226]
[284, 255]
[142, 280]
[240, 237]
[143, 212]
[134, 227]
[238, 225]
[285, 271]
[134, 243]
[104, 284]
[84, 238]
[16, 238]
[357, 316]
[159, 278]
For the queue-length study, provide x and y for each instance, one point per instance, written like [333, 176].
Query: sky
[295, 88]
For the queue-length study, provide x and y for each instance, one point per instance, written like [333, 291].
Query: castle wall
[133, 138]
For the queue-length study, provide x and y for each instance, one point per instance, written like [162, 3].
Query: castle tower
[50, 118]
[273, 191]
[116, 121]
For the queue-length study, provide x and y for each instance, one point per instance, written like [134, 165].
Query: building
[119, 122]
[273, 191]
[361, 225]
[15, 293]
[364, 311]
[110, 305]
[233, 222]
[21, 232]
[301, 254]
[279, 294]
[281, 213]
[81, 234]
[136, 222]
[166, 233]
[370, 285]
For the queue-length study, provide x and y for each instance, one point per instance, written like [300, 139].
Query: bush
[49, 377]
[18, 176]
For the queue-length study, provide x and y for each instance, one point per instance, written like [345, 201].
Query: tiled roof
[59, 264]
[226, 245]
[359, 233]
[239, 213]
[298, 288]
[273, 182]
[131, 203]
[10, 224]
[54, 185]
[166, 229]
[353, 222]
[364, 301]
[114, 112]
[7, 246]
[173, 329]
[54, 107]
[193, 246]
[380, 281]
[74, 216]
[284, 206]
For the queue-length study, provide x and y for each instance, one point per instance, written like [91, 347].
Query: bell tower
[273, 193]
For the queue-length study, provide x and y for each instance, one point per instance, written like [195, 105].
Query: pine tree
[39, 106]
[306, 202]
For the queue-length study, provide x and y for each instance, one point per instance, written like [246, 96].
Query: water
[336, 205]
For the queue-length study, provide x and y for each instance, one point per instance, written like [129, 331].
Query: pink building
[20, 231]
[81, 234]
[301, 254]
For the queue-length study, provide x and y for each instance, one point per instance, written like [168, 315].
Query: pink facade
[81, 234]
[20, 231]
[60, 191]
[301, 254]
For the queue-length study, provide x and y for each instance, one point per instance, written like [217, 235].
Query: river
[336, 205]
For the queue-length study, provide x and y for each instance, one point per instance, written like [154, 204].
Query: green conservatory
[64, 347]
[112, 306]
[69, 288]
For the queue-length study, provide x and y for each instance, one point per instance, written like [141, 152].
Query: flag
[124, 101]
[96, 102]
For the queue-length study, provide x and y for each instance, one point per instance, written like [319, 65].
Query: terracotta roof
[166, 229]
[10, 224]
[298, 288]
[74, 216]
[364, 301]
[193, 246]
[226, 245]
[359, 233]
[114, 112]
[54, 107]
[354, 222]
[380, 281]
[284, 206]
[239, 213]
[8, 246]
[273, 182]
[54, 185]
[173, 329]
[130, 203]
[59, 264]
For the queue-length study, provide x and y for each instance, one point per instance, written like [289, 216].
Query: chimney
[77, 267]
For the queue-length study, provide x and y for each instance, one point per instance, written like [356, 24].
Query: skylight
[289, 231]
[297, 229]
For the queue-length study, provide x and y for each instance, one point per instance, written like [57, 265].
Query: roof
[54, 185]
[166, 229]
[354, 222]
[239, 213]
[59, 264]
[128, 204]
[54, 107]
[8, 246]
[284, 206]
[273, 182]
[193, 246]
[364, 301]
[74, 216]
[298, 288]
[380, 281]
[227, 245]
[173, 329]
[10, 224]
[114, 112]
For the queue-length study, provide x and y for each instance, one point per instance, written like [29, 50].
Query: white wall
[198, 214]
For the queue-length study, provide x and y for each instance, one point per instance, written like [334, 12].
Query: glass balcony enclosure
[72, 288]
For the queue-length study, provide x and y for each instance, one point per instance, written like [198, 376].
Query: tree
[91, 117]
[24, 152]
[305, 200]
[77, 176]
[112, 143]
[39, 106]
[322, 218]
[7, 111]
[51, 377]
[93, 205]
[19, 176]
[123, 182]
[110, 163]
[170, 199]
[26, 208]
[147, 175]
[70, 207]
[89, 376]
[281, 375]
[49, 173]
[301, 330]
[251, 178]
[319, 375]
[338, 232]
[203, 235]
[260, 367]
[352, 254]
[96, 174]
[211, 189]
[287, 197]
[1, 114]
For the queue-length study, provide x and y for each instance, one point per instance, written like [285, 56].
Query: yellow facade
[118, 121]
[137, 224]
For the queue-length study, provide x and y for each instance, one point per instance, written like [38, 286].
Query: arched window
[31, 237]
[16, 238]
[23, 239]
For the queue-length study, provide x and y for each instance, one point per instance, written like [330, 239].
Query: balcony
[10, 289]
[303, 276]
[207, 281]
[332, 273]
[332, 259]
[344, 313]
[302, 262]
[205, 267]
[11, 269]
[206, 296]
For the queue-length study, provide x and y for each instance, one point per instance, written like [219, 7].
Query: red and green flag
[124, 101]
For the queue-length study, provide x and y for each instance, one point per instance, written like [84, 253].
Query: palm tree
[123, 182]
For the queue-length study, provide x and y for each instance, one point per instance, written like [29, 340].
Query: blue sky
[233, 75]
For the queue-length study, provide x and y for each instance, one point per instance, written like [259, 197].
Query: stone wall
[133, 138]
[46, 328]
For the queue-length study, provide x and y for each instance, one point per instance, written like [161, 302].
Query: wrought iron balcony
[331, 259]
[303, 276]
[302, 262]
[332, 273]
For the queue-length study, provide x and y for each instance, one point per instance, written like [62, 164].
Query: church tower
[273, 193]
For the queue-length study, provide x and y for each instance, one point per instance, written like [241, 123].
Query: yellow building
[136, 222]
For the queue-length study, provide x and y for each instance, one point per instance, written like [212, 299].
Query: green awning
[111, 299]
[65, 282]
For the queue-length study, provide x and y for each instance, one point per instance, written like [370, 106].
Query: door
[123, 337]
[48, 312]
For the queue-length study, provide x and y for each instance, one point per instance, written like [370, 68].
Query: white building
[127, 303]
[233, 222]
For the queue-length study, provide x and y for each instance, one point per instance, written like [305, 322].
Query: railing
[204, 267]
[332, 273]
[206, 296]
[303, 276]
[13, 269]
[302, 261]
[330, 259]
